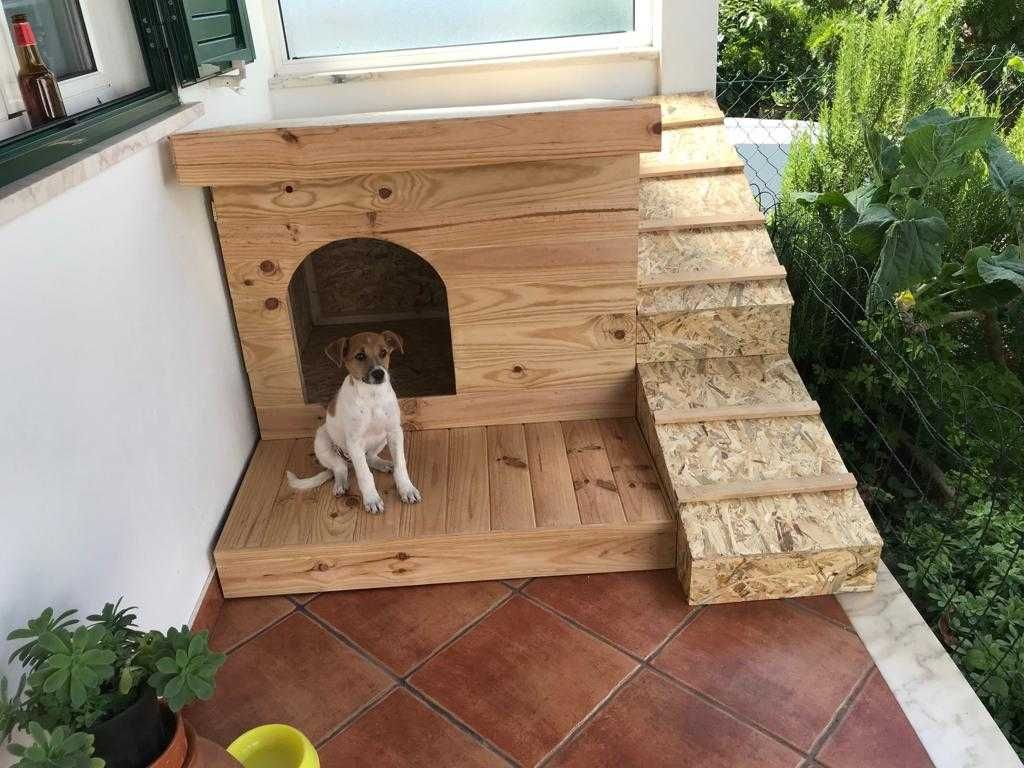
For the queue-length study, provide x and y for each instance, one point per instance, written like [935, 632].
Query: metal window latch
[235, 81]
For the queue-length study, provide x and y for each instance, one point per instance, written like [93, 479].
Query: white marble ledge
[952, 723]
[23, 195]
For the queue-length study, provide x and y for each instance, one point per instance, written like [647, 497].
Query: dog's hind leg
[327, 454]
[375, 461]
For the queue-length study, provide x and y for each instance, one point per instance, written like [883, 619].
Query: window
[355, 33]
[116, 64]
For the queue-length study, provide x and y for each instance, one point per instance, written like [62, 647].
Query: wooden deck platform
[499, 502]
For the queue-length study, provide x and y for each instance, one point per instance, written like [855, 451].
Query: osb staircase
[766, 507]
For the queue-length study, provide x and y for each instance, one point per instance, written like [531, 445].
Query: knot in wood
[267, 267]
[272, 303]
[384, 192]
[402, 556]
[619, 334]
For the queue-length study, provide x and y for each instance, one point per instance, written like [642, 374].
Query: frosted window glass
[334, 27]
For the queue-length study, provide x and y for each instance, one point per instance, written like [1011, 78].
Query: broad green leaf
[1005, 171]
[197, 644]
[78, 693]
[203, 689]
[51, 642]
[167, 666]
[1016, 64]
[936, 145]
[98, 657]
[173, 687]
[1007, 266]
[56, 681]
[884, 155]
[869, 231]
[911, 253]
[976, 659]
[823, 199]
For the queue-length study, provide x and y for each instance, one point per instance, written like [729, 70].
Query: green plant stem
[952, 317]
[993, 334]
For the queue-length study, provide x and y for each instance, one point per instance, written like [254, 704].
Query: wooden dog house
[503, 241]
[595, 377]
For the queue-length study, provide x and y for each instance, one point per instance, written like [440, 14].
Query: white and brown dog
[362, 418]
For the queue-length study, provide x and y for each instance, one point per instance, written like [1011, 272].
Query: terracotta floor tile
[401, 732]
[653, 723]
[516, 583]
[304, 597]
[635, 610]
[875, 732]
[241, 618]
[401, 626]
[827, 606]
[523, 678]
[296, 673]
[782, 667]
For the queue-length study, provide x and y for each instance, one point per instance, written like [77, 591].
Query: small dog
[362, 418]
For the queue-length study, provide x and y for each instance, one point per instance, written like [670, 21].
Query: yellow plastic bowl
[274, 746]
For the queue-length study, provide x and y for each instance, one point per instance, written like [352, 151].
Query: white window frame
[640, 38]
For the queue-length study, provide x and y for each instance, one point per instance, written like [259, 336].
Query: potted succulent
[103, 694]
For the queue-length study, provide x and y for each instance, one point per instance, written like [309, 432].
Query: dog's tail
[308, 483]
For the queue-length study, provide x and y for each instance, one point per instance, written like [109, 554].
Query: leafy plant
[59, 749]
[902, 236]
[79, 675]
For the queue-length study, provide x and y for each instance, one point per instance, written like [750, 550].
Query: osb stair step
[712, 277]
[722, 389]
[652, 167]
[765, 504]
[713, 221]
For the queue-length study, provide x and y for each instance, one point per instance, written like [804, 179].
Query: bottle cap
[23, 34]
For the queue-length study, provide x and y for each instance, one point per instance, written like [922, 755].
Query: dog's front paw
[373, 504]
[410, 495]
[340, 487]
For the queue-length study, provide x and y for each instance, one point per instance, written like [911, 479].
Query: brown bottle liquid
[39, 89]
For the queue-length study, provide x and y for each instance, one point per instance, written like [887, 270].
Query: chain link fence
[929, 422]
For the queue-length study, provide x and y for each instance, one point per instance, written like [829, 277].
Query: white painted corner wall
[125, 413]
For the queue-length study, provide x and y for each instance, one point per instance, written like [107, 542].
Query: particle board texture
[499, 501]
[765, 505]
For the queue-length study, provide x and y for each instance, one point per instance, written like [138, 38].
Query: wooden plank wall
[538, 258]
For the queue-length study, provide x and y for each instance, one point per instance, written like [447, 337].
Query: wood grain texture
[736, 412]
[430, 197]
[249, 512]
[635, 475]
[651, 167]
[326, 149]
[596, 492]
[554, 499]
[498, 502]
[611, 399]
[711, 277]
[509, 478]
[776, 486]
[682, 223]
[468, 492]
[472, 557]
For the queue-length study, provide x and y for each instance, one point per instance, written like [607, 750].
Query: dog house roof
[384, 142]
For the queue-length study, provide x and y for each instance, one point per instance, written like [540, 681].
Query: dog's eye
[360, 355]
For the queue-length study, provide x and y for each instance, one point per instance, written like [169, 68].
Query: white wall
[125, 414]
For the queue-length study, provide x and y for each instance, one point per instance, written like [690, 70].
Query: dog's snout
[377, 375]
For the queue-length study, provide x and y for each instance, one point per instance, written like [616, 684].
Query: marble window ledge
[952, 723]
[34, 190]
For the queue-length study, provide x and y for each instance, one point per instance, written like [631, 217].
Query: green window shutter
[205, 36]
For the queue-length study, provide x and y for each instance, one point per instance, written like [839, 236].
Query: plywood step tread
[711, 277]
[498, 502]
[714, 251]
[721, 195]
[687, 109]
[661, 302]
[740, 458]
[653, 167]
[760, 386]
[726, 220]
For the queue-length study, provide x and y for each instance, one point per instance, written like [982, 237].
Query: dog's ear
[337, 350]
[394, 341]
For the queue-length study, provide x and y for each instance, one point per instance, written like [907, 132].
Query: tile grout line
[259, 633]
[726, 710]
[458, 635]
[583, 724]
[833, 622]
[372, 702]
[839, 716]
[400, 682]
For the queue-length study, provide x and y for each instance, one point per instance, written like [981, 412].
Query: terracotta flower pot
[177, 751]
[203, 753]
